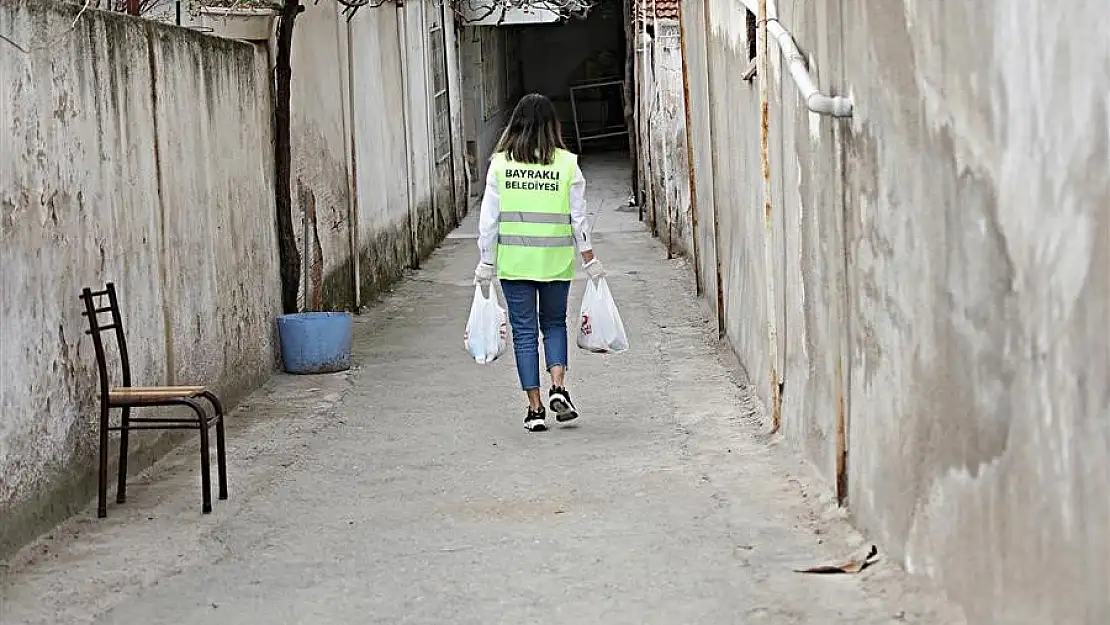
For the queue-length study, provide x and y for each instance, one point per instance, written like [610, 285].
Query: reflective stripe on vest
[535, 218]
[506, 239]
[535, 233]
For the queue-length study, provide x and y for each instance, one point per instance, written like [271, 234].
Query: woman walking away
[533, 217]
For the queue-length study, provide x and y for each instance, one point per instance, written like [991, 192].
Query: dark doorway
[580, 65]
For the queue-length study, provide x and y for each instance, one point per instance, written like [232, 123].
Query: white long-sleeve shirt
[491, 215]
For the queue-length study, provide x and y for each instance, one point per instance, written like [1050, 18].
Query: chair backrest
[94, 308]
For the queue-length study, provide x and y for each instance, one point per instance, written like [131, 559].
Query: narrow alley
[405, 491]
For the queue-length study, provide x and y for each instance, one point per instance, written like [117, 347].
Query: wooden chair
[128, 397]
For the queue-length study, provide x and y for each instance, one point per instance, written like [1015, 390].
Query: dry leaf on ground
[855, 565]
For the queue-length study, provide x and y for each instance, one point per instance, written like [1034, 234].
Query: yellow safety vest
[535, 237]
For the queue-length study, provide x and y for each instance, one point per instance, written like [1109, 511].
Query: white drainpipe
[816, 101]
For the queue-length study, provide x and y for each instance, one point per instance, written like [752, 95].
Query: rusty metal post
[841, 459]
[689, 150]
[133, 7]
[707, 24]
[768, 213]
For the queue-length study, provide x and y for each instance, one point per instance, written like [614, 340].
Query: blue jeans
[528, 320]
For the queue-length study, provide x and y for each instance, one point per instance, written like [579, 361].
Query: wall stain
[101, 93]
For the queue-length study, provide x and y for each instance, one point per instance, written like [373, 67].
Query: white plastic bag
[600, 328]
[487, 330]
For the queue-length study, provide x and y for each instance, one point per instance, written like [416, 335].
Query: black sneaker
[536, 421]
[559, 400]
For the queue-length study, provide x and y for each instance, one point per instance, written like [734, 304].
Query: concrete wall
[663, 155]
[363, 170]
[488, 97]
[320, 140]
[129, 157]
[143, 154]
[703, 208]
[384, 219]
[404, 199]
[454, 29]
[939, 278]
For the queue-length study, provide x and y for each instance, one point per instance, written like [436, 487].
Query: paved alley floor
[407, 491]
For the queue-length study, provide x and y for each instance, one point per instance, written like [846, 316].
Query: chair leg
[221, 445]
[121, 487]
[221, 456]
[102, 483]
[205, 470]
[205, 459]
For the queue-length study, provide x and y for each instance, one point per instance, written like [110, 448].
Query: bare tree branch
[470, 11]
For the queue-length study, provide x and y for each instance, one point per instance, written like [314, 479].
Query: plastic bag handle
[478, 292]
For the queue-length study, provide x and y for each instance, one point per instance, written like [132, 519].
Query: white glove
[594, 269]
[483, 274]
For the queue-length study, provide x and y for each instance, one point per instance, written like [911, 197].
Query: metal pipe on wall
[817, 102]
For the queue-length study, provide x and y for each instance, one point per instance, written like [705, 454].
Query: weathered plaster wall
[386, 185]
[941, 277]
[137, 154]
[157, 174]
[447, 211]
[428, 221]
[384, 222]
[454, 28]
[733, 114]
[489, 95]
[697, 68]
[320, 143]
[470, 65]
[663, 134]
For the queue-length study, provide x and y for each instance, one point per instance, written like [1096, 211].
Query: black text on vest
[532, 180]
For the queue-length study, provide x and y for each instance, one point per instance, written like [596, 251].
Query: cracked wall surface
[941, 277]
[130, 158]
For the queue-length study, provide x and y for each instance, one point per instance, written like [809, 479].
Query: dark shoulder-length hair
[533, 133]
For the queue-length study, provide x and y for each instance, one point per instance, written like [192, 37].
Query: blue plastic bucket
[315, 342]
